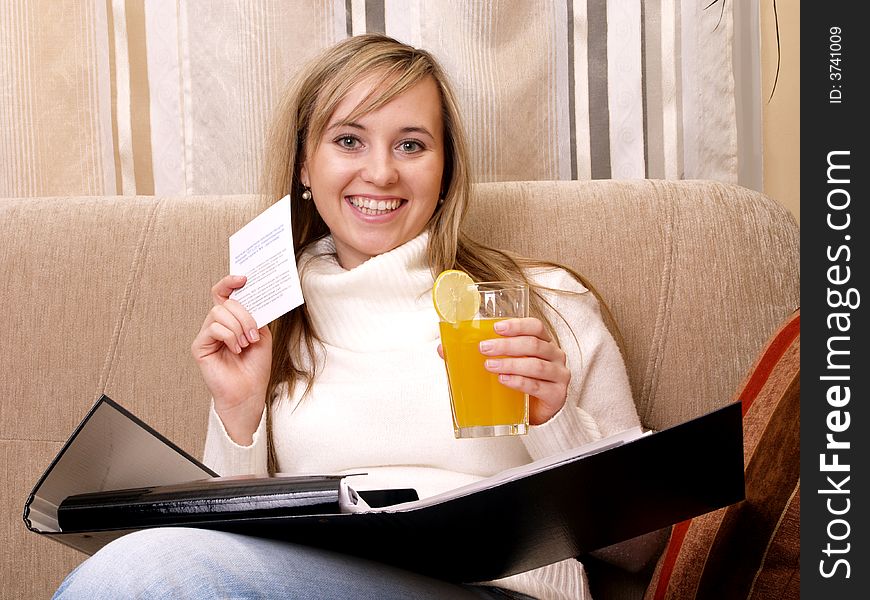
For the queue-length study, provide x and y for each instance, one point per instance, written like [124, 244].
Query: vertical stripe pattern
[652, 90]
[581, 112]
[123, 100]
[572, 100]
[52, 136]
[599, 101]
[671, 74]
[140, 102]
[624, 79]
[174, 98]
[375, 16]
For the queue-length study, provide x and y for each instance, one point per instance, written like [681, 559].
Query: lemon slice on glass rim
[455, 296]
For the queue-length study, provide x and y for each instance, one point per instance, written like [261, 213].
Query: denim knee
[152, 563]
[181, 563]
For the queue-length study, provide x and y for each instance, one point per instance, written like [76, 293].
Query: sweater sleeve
[599, 401]
[226, 457]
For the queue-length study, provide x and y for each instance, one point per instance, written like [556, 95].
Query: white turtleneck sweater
[380, 401]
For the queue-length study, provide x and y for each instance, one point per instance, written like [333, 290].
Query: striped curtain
[165, 97]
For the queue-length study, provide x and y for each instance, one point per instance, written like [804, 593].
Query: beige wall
[781, 115]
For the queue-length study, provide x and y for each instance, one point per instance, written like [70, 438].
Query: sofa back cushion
[108, 294]
[697, 274]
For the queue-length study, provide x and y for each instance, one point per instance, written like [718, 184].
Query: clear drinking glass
[482, 406]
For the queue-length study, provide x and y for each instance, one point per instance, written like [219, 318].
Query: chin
[380, 246]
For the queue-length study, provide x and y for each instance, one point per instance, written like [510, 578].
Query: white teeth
[374, 207]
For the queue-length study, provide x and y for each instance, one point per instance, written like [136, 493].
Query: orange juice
[478, 399]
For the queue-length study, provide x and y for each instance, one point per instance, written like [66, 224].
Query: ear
[303, 175]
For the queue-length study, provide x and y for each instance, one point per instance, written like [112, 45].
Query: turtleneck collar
[383, 304]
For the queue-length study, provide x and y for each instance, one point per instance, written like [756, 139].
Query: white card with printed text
[263, 251]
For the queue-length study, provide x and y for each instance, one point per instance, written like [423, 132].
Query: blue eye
[411, 146]
[348, 142]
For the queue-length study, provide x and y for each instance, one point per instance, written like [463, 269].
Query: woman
[370, 147]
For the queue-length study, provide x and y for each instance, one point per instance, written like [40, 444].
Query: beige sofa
[105, 295]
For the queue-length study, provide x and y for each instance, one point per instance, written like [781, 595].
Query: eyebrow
[355, 125]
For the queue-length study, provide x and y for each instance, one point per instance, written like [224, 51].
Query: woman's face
[376, 180]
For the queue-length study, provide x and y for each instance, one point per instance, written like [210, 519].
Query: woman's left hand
[527, 359]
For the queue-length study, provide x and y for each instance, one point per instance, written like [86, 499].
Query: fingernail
[253, 335]
[500, 326]
[243, 342]
[485, 346]
[492, 364]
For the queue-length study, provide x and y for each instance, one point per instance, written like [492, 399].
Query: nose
[380, 169]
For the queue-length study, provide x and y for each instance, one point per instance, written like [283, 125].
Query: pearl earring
[306, 194]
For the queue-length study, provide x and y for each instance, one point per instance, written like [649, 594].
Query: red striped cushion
[750, 549]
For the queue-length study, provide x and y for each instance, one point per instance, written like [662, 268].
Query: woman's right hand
[235, 359]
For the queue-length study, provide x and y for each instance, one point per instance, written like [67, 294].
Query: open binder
[549, 510]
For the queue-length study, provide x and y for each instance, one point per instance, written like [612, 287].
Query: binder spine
[96, 512]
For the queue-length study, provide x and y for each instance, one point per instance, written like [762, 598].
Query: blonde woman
[369, 145]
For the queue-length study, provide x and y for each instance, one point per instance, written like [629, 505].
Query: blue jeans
[179, 563]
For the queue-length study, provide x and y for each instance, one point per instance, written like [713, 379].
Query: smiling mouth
[371, 207]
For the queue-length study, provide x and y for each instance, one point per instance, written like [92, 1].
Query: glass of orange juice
[482, 406]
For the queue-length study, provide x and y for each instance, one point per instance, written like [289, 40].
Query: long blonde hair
[302, 117]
